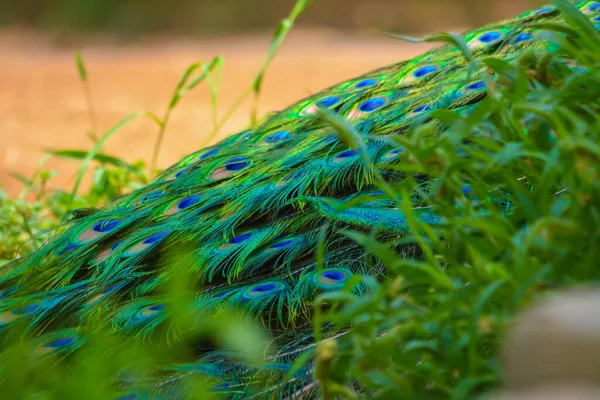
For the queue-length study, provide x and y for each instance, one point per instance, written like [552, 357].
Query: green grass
[515, 183]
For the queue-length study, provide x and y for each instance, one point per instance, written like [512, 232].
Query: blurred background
[136, 50]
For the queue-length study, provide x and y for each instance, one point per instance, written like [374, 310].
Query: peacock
[246, 218]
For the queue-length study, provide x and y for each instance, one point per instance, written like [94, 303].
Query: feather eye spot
[594, 7]
[106, 225]
[366, 83]
[111, 288]
[26, 310]
[208, 154]
[155, 238]
[60, 343]
[7, 292]
[327, 102]
[333, 275]
[346, 154]
[152, 310]
[157, 307]
[490, 37]
[221, 294]
[372, 104]
[281, 244]
[66, 249]
[424, 71]
[294, 176]
[155, 194]
[289, 178]
[237, 164]
[544, 10]
[476, 85]
[221, 386]
[179, 174]
[422, 108]
[187, 202]
[392, 154]
[133, 396]
[334, 278]
[522, 37]
[241, 238]
[265, 288]
[278, 136]
[261, 290]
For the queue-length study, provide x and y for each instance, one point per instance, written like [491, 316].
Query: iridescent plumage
[247, 213]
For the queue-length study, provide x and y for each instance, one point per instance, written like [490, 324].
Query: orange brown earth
[43, 106]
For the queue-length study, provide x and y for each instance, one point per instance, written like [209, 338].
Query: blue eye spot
[596, 19]
[544, 10]
[476, 85]
[58, 343]
[110, 289]
[237, 163]
[209, 153]
[66, 249]
[328, 102]
[157, 307]
[333, 275]
[424, 107]
[467, 191]
[221, 386]
[188, 201]
[523, 37]
[377, 193]
[240, 238]
[294, 176]
[220, 294]
[278, 136]
[396, 151]
[128, 397]
[6, 292]
[26, 310]
[106, 225]
[180, 173]
[426, 70]
[282, 244]
[372, 104]
[594, 7]
[267, 287]
[155, 238]
[347, 153]
[156, 194]
[490, 37]
[247, 136]
[366, 83]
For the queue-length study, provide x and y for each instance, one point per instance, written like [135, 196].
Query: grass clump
[515, 182]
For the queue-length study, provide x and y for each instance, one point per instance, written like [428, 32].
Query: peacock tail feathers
[247, 215]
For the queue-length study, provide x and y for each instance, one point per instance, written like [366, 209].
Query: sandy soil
[42, 102]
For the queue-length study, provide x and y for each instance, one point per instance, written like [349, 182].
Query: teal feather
[247, 213]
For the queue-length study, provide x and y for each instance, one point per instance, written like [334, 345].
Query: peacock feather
[248, 214]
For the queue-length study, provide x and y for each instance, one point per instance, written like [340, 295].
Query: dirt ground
[42, 102]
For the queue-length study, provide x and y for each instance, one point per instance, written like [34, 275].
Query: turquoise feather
[247, 214]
